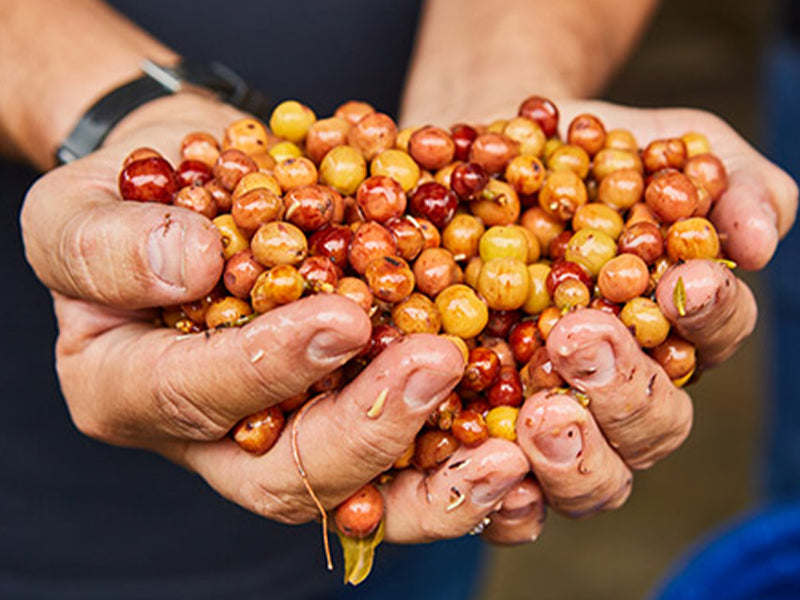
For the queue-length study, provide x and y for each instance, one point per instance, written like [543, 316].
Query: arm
[58, 58]
[477, 59]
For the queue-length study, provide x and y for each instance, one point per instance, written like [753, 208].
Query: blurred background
[707, 54]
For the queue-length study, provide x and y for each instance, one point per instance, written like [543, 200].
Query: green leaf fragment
[727, 262]
[359, 555]
[679, 297]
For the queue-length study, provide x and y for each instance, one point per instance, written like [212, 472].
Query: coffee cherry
[463, 136]
[443, 415]
[357, 291]
[676, 356]
[482, 369]
[709, 171]
[324, 135]
[469, 428]
[646, 321]
[291, 120]
[432, 448]
[504, 283]
[500, 322]
[468, 180]
[231, 166]
[642, 239]
[563, 270]
[310, 207]
[248, 135]
[343, 168]
[389, 278]
[193, 172]
[258, 433]
[417, 314]
[279, 243]
[280, 285]
[148, 180]
[241, 272]
[492, 152]
[590, 249]
[435, 270]
[692, 238]
[353, 111]
[539, 373]
[538, 296]
[198, 199]
[233, 238]
[359, 515]
[381, 198]
[372, 134]
[200, 146]
[570, 157]
[598, 217]
[226, 311]
[671, 195]
[399, 166]
[462, 236]
[370, 242]
[434, 202]
[543, 112]
[432, 147]
[407, 235]
[256, 208]
[623, 278]
[562, 193]
[621, 139]
[463, 313]
[319, 274]
[523, 340]
[507, 389]
[588, 132]
[501, 421]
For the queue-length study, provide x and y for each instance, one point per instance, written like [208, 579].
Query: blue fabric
[782, 465]
[755, 559]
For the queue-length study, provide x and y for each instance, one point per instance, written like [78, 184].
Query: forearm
[477, 59]
[56, 58]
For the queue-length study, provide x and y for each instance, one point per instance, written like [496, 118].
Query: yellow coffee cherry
[233, 240]
[343, 168]
[502, 422]
[463, 313]
[591, 249]
[504, 283]
[285, 150]
[645, 319]
[538, 297]
[399, 166]
[291, 120]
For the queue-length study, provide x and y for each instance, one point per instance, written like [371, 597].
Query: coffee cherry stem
[304, 476]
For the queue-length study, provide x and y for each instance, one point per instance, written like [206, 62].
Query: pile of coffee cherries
[486, 235]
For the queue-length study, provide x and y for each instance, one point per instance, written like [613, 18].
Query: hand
[128, 382]
[583, 457]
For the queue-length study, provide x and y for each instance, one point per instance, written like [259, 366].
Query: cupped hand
[110, 263]
[583, 456]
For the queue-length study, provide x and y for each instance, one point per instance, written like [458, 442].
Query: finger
[343, 441]
[84, 242]
[578, 471]
[137, 382]
[720, 311]
[641, 412]
[452, 500]
[521, 518]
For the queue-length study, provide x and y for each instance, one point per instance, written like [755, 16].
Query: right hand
[127, 382]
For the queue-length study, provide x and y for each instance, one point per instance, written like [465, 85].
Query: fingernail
[493, 487]
[330, 346]
[425, 386]
[520, 512]
[561, 445]
[165, 253]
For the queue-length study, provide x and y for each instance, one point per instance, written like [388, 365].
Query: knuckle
[183, 416]
[375, 448]
[277, 505]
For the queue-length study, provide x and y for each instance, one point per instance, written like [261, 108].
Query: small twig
[300, 469]
[456, 499]
[257, 356]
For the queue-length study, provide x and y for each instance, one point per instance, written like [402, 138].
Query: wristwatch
[157, 81]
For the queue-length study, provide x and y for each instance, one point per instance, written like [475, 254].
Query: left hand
[582, 458]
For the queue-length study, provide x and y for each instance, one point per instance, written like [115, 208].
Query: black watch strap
[158, 81]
